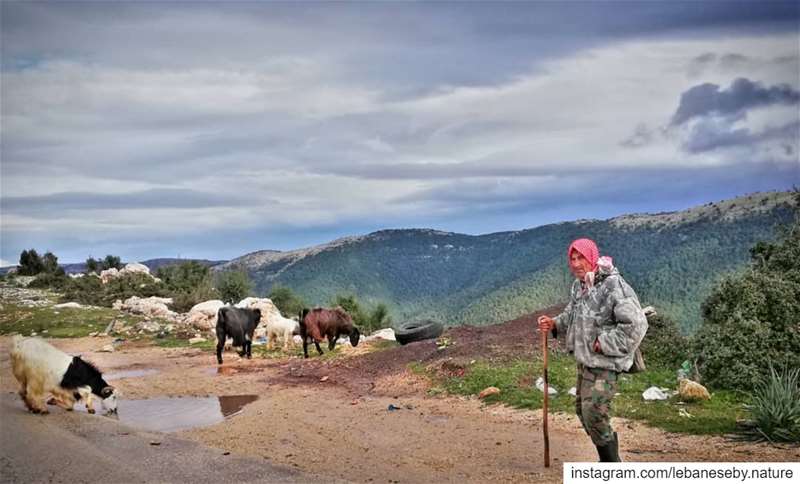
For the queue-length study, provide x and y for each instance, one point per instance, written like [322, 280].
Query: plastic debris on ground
[540, 387]
[655, 393]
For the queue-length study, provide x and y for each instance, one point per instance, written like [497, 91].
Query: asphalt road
[75, 447]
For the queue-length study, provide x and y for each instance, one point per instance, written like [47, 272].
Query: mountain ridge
[671, 258]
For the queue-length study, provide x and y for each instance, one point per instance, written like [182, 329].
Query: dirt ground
[331, 417]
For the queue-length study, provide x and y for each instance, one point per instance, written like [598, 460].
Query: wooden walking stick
[546, 395]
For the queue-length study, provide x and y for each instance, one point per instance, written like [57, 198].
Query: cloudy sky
[209, 130]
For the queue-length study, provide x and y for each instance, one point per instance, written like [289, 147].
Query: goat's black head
[354, 336]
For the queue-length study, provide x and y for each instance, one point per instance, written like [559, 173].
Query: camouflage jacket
[608, 312]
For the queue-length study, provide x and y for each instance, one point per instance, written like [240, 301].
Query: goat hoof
[90, 410]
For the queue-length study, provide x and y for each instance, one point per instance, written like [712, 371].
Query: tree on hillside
[286, 300]
[50, 263]
[751, 319]
[188, 283]
[233, 286]
[30, 263]
[92, 266]
[111, 262]
[183, 277]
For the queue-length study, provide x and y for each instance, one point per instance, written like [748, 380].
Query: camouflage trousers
[595, 390]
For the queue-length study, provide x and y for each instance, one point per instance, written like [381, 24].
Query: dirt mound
[458, 346]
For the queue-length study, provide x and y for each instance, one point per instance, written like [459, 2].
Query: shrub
[663, 345]
[750, 319]
[367, 321]
[85, 290]
[184, 277]
[90, 290]
[233, 286]
[140, 285]
[775, 410]
[287, 302]
[55, 280]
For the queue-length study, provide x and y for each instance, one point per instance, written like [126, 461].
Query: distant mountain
[671, 259]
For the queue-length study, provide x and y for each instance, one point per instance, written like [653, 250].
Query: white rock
[203, 316]
[108, 274]
[107, 348]
[150, 306]
[209, 308]
[148, 326]
[68, 305]
[135, 268]
[196, 339]
[540, 387]
[265, 305]
[573, 391]
[386, 334]
[654, 393]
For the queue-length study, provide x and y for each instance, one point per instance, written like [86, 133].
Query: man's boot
[610, 451]
[615, 449]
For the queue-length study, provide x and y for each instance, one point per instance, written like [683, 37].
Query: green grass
[58, 323]
[516, 381]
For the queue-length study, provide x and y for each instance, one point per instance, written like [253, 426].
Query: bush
[367, 322]
[750, 319]
[663, 345]
[775, 410]
[233, 286]
[85, 290]
[287, 302]
[90, 290]
[140, 285]
[54, 280]
[183, 277]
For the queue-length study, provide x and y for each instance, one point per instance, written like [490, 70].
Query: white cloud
[302, 130]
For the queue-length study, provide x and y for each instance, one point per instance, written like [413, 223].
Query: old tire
[420, 330]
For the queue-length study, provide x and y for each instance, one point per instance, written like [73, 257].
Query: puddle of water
[174, 414]
[118, 375]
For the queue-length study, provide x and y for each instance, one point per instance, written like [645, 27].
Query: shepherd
[604, 325]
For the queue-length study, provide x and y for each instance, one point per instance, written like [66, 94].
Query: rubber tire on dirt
[411, 331]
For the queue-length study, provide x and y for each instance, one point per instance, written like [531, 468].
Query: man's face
[578, 264]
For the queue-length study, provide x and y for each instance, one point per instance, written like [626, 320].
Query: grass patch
[516, 381]
[58, 322]
[381, 345]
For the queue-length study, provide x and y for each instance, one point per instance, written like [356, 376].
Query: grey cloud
[732, 63]
[710, 135]
[642, 136]
[701, 63]
[743, 94]
[626, 187]
[147, 199]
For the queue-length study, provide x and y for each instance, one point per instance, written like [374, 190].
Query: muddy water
[174, 414]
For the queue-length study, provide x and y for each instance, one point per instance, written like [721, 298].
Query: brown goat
[319, 323]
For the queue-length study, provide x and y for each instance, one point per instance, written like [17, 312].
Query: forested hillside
[671, 259]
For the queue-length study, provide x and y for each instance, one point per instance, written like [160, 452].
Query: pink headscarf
[587, 248]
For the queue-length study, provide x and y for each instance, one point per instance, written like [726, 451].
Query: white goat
[280, 327]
